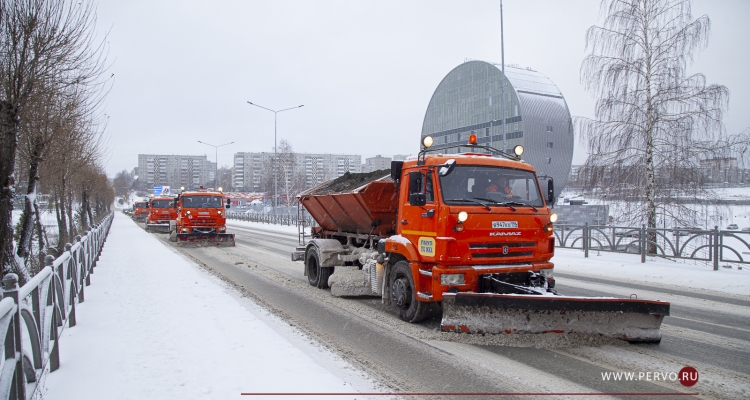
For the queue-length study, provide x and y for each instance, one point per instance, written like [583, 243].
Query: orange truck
[161, 214]
[140, 211]
[201, 219]
[439, 229]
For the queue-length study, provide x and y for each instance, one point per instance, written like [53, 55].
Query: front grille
[501, 255]
[499, 245]
[203, 221]
[514, 249]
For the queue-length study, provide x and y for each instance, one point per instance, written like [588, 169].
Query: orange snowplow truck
[161, 213]
[140, 211]
[201, 219]
[470, 231]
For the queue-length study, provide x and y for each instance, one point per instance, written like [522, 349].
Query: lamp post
[216, 166]
[275, 184]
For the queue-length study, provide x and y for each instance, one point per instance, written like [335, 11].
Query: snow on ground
[156, 326]
[654, 270]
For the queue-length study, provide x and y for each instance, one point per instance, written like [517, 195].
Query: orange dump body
[367, 209]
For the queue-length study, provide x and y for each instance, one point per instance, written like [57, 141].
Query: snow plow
[470, 231]
[201, 219]
[160, 215]
[140, 211]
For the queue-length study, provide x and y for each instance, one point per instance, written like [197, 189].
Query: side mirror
[551, 192]
[227, 205]
[396, 167]
[417, 199]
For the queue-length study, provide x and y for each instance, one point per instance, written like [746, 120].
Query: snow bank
[155, 326]
[655, 270]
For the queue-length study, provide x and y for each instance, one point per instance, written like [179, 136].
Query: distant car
[684, 232]
[733, 226]
[746, 229]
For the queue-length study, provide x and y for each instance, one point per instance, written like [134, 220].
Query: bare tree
[289, 174]
[123, 183]
[653, 123]
[42, 43]
[224, 178]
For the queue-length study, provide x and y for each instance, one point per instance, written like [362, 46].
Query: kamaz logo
[505, 233]
[203, 213]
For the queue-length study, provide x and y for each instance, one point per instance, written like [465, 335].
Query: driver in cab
[500, 185]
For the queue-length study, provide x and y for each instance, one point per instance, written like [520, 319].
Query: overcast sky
[364, 70]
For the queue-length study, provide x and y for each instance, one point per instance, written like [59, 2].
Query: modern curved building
[536, 116]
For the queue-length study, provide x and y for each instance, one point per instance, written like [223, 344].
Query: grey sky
[365, 70]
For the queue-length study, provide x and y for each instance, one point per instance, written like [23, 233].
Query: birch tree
[653, 121]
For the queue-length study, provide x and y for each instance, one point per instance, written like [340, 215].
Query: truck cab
[460, 232]
[161, 213]
[201, 217]
[140, 211]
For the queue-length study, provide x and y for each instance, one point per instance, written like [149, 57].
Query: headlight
[427, 141]
[546, 272]
[452, 279]
[553, 217]
[462, 216]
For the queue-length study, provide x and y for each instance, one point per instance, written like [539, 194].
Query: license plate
[504, 224]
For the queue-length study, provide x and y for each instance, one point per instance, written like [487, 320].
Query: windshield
[141, 205]
[201, 202]
[161, 204]
[467, 183]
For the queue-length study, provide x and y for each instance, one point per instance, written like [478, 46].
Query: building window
[550, 145]
[515, 127]
[548, 160]
[549, 128]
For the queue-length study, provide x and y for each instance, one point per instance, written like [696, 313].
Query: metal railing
[36, 313]
[681, 243]
[289, 220]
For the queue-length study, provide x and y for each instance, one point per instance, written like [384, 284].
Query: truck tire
[316, 275]
[404, 294]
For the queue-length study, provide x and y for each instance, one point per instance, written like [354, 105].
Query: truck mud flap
[205, 239]
[628, 319]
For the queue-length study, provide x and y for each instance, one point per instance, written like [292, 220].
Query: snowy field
[155, 326]
[628, 267]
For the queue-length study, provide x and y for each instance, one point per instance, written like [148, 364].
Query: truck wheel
[316, 275]
[403, 294]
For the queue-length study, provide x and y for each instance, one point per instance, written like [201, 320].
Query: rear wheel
[403, 294]
[316, 275]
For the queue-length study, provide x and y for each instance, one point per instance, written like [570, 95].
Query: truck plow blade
[628, 319]
[205, 239]
[161, 228]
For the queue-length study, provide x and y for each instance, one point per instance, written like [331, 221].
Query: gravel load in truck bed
[348, 182]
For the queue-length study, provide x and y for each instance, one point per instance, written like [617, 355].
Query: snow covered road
[155, 326]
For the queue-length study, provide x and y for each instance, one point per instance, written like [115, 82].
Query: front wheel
[403, 294]
[316, 275]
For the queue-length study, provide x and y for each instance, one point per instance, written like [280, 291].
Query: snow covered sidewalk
[155, 326]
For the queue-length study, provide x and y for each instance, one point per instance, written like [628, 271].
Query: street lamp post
[216, 165]
[275, 184]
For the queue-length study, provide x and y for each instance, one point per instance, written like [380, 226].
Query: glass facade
[474, 96]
